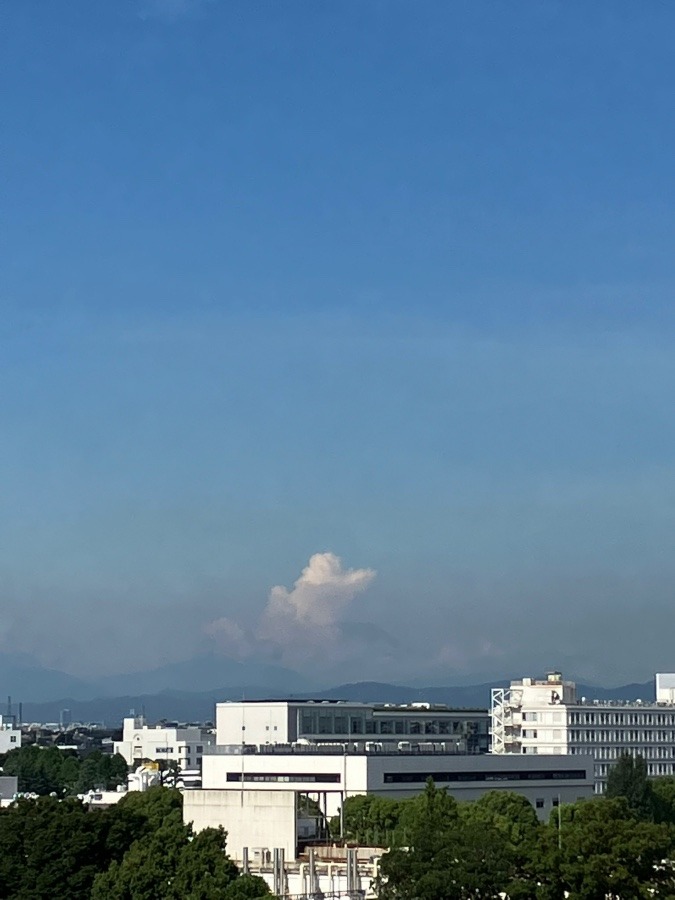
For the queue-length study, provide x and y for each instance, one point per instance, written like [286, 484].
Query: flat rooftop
[415, 706]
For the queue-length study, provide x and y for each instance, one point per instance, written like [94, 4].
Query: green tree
[447, 855]
[101, 770]
[171, 863]
[628, 779]
[158, 805]
[247, 887]
[50, 849]
[603, 850]
[42, 770]
[663, 797]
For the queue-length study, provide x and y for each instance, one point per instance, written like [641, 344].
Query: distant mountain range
[199, 706]
[189, 690]
[25, 680]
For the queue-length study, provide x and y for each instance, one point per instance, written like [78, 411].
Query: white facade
[184, 746]
[541, 717]
[10, 737]
[254, 796]
[665, 687]
[321, 721]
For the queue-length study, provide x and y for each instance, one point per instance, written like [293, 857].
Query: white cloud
[319, 596]
[301, 623]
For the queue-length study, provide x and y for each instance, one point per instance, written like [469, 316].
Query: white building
[254, 792]
[10, 736]
[546, 717]
[327, 721]
[145, 776]
[183, 745]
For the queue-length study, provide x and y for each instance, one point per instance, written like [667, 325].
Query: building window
[313, 778]
[539, 803]
[555, 802]
[12, 739]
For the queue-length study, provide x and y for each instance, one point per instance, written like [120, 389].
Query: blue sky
[387, 280]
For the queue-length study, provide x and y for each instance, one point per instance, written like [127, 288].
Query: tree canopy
[57, 849]
[50, 770]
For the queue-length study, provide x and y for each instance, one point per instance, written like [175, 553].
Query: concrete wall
[9, 785]
[253, 723]
[10, 737]
[253, 819]
[538, 778]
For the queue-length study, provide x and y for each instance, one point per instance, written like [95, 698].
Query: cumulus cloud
[302, 622]
[230, 637]
[318, 598]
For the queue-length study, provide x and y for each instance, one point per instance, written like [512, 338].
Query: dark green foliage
[606, 847]
[663, 799]
[448, 854]
[56, 849]
[100, 770]
[158, 806]
[603, 850]
[628, 779]
[173, 864]
[52, 849]
[247, 887]
[48, 770]
[370, 820]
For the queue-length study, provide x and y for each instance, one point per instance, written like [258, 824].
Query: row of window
[622, 718]
[453, 777]
[313, 723]
[622, 736]
[615, 752]
[312, 778]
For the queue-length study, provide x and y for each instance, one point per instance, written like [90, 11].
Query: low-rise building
[326, 721]
[254, 791]
[10, 735]
[183, 745]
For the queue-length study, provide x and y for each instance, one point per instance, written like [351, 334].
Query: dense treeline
[618, 846]
[53, 849]
[49, 770]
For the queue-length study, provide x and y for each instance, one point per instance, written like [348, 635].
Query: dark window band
[314, 778]
[452, 777]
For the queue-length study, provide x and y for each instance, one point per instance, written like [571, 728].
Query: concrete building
[10, 736]
[183, 745]
[327, 721]
[254, 791]
[546, 717]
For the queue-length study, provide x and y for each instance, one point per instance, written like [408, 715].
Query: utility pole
[559, 824]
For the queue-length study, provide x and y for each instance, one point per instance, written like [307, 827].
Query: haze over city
[338, 337]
